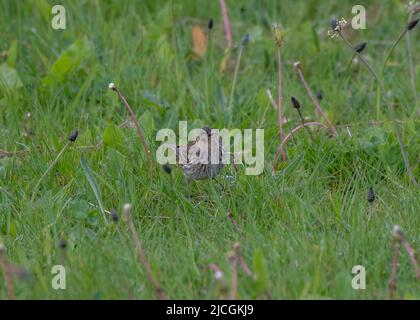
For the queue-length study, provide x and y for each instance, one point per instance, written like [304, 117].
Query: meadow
[301, 229]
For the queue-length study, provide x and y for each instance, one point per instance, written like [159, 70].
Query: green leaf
[92, 181]
[260, 271]
[12, 54]
[79, 209]
[164, 52]
[70, 59]
[113, 137]
[44, 8]
[9, 78]
[262, 98]
[155, 101]
[294, 164]
[147, 124]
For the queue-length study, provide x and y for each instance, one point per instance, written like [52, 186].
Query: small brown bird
[202, 158]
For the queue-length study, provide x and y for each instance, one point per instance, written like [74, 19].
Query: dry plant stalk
[279, 41]
[219, 277]
[232, 219]
[113, 87]
[398, 238]
[4, 154]
[399, 235]
[289, 135]
[392, 283]
[160, 294]
[313, 98]
[241, 260]
[270, 97]
[218, 274]
[8, 277]
[226, 24]
[234, 276]
[411, 62]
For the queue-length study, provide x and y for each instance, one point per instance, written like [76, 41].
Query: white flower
[337, 27]
[127, 207]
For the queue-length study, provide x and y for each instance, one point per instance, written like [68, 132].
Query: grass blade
[92, 181]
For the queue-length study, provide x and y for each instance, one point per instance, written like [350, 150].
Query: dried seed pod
[73, 136]
[295, 103]
[320, 95]
[167, 168]
[412, 24]
[360, 47]
[371, 195]
[62, 244]
[114, 215]
[245, 40]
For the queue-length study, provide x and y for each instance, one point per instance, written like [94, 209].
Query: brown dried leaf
[4, 154]
[199, 40]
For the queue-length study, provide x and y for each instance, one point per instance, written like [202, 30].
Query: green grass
[302, 231]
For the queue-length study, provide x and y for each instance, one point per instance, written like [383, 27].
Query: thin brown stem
[270, 97]
[411, 63]
[160, 294]
[217, 272]
[8, 277]
[136, 122]
[313, 98]
[398, 235]
[391, 50]
[4, 154]
[360, 57]
[302, 119]
[232, 219]
[289, 135]
[280, 100]
[412, 256]
[226, 24]
[242, 263]
[392, 281]
[234, 276]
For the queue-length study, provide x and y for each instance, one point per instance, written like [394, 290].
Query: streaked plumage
[195, 158]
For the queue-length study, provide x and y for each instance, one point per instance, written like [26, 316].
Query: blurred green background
[301, 231]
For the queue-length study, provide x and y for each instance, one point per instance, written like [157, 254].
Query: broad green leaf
[12, 54]
[9, 78]
[70, 59]
[79, 209]
[113, 137]
[92, 181]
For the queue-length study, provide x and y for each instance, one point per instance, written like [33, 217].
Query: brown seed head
[412, 24]
[360, 47]
[371, 195]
